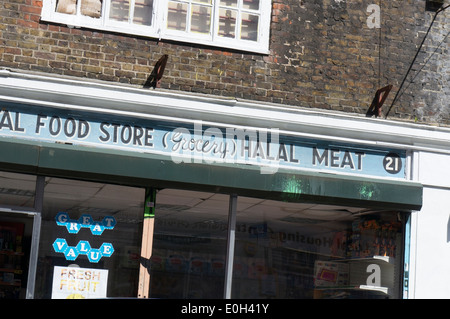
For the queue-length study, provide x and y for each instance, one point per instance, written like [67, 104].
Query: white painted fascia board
[184, 107]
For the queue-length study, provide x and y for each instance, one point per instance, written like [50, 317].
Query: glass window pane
[176, 19]
[228, 3]
[17, 193]
[65, 243]
[227, 23]
[66, 6]
[201, 19]
[119, 10]
[297, 250]
[91, 8]
[16, 231]
[189, 245]
[17, 190]
[143, 10]
[249, 27]
[250, 4]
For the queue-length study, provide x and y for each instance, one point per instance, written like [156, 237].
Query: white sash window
[235, 24]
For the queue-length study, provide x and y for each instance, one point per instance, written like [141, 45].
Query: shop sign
[83, 247]
[79, 283]
[195, 142]
[85, 221]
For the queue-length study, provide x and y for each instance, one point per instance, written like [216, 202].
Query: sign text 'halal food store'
[198, 143]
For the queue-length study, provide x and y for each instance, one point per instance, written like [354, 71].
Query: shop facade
[110, 191]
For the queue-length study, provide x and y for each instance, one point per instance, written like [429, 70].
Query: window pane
[201, 19]
[189, 245]
[15, 240]
[249, 27]
[143, 10]
[251, 4]
[297, 250]
[119, 10]
[91, 8]
[227, 23]
[76, 243]
[176, 19]
[67, 6]
[228, 3]
[17, 190]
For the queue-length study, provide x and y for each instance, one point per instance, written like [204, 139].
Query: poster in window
[79, 283]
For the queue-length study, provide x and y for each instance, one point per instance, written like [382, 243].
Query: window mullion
[78, 8]
[231, 239]
[239, 20]
[215, 20]
[131, 13]
[161, 13]
[189, 17]
[105, 11]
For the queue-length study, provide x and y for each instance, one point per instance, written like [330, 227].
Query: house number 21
[392, 163]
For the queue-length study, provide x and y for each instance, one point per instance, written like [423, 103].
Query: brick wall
[322, 55]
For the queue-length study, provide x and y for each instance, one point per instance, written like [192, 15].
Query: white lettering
[374, 278]
[62, 218]
[193, 309]
[96, 227]
[60, 245]
[71, 253]
[373, 21]
[246, 308]
[108, 221]
[86, 220]
[83, 247]
[73, 226]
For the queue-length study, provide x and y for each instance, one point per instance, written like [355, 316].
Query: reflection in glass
[249, 27]
[66, 6]
[189, 245]
[251, 5]
[143, 10]
[97, 200]
[295, 250]
[91, 8]
[227, 23]
[228, 3]
[201, 19]
[119, 10]
[17, 190]
[176, 18]
[15, 242]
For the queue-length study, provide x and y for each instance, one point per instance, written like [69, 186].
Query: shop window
[17, 190]
[90, 240]
[290, 250]
[15, 242]
[189, 248]
[17, 195]
[235, 24]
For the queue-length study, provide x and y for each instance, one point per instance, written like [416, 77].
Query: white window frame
[159, 29]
